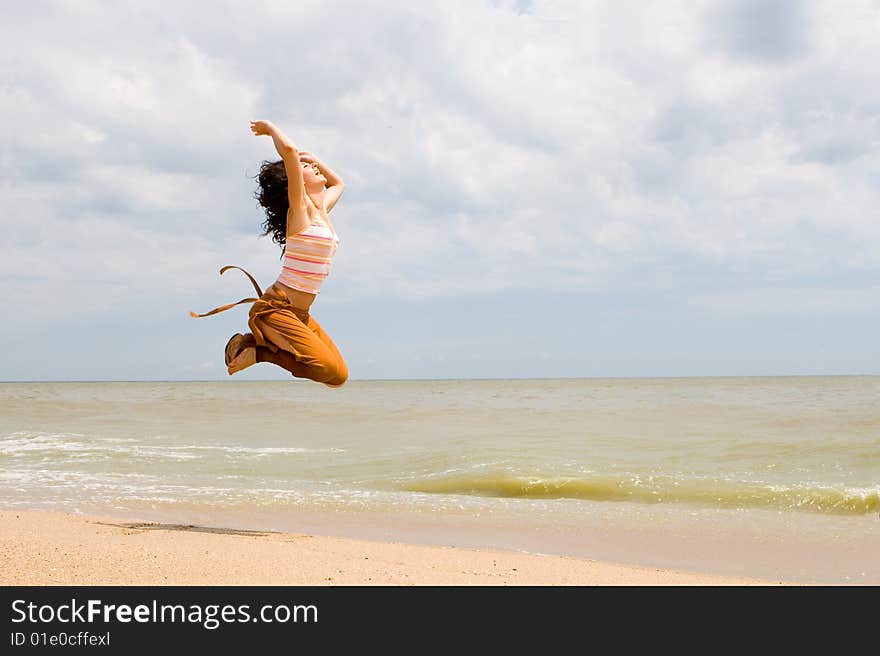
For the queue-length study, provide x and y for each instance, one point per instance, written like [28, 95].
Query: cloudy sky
[533, 189]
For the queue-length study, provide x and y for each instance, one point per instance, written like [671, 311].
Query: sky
[533, 189]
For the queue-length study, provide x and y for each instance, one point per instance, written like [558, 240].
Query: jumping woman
[297, 192]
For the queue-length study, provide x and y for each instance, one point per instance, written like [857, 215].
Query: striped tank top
[307, 257]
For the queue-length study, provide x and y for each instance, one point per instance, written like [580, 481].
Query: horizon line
[378, 380]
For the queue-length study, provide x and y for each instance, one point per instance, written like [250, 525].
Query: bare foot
[245, 358]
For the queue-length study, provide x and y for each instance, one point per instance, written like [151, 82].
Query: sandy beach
[55, 548]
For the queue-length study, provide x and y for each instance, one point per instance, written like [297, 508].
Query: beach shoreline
[42, 547]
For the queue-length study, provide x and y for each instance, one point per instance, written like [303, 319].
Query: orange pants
[289, 337]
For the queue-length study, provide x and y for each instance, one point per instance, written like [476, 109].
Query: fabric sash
[223, 308]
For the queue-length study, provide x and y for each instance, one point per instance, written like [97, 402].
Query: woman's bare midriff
[298, 299]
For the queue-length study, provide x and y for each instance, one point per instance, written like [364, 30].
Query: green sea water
[468, 454]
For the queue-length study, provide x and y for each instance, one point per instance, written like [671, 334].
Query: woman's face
[312, 174]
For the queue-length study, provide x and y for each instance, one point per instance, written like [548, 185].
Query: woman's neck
[317, 200]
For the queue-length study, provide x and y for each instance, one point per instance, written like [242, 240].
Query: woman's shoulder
[313, 221]
[298, 219]
[313, 217]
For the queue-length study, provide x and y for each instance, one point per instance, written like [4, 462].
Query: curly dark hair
[272, 196]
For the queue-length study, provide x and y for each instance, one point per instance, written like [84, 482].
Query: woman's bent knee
[339, 379]
[340, 375]
[331, 374]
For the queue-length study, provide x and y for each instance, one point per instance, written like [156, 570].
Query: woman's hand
[260, 128]
[306, 156]
[283, 145]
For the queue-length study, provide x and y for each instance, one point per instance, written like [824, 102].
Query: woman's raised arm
[289, 155]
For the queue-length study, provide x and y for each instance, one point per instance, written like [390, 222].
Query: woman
[297, 194]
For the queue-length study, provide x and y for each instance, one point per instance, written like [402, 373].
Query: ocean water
[773, 472]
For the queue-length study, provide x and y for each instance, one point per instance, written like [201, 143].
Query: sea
[767, 477]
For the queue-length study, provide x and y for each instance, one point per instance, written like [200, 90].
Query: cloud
[486, 147]
[766, 31]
